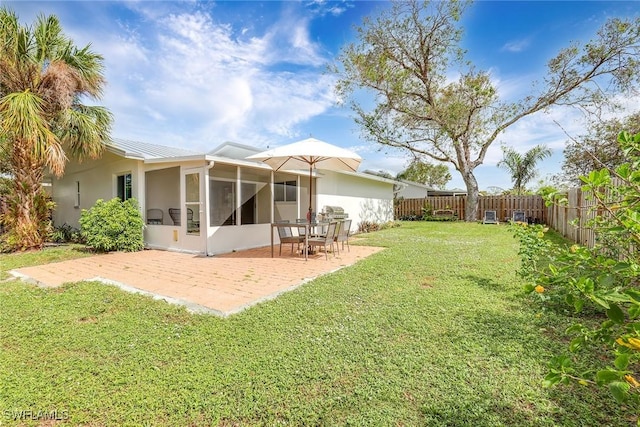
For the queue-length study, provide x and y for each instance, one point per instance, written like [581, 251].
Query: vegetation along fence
[532, 206]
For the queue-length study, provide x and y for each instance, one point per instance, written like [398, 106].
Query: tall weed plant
[601, 285]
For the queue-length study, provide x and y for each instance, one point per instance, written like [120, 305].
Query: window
[77, 201]
[223, 202]
[255, 196]
[285, 191]
[123, 186]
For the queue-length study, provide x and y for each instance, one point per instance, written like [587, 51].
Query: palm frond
[522, 167]
[90, 66]
[49, 38]
[59, 85]
[22, 121]
[84, 130]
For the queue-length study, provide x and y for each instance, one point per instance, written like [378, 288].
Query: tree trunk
[26, 218]
[471, 209]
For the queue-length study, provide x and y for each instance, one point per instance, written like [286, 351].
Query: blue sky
[197, 74]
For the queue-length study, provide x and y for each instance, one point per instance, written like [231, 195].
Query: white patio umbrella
[309, 153]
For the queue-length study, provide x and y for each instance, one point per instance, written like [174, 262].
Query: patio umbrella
[309, 153]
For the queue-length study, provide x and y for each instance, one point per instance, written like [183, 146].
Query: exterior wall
[230, 238]
[363, 199]
[163, 191]
[97, 180]
[412, 192]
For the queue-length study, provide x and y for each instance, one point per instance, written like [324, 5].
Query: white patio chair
[490, 217]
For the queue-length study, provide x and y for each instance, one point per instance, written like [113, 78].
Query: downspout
[207, 200]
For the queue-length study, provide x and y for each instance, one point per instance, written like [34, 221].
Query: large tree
[44, 78]
[435, 176]
[522, 167]
[405, 58]
[598, 148]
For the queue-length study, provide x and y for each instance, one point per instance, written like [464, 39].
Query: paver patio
[222, 285]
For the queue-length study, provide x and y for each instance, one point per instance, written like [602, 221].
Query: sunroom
[221, 206]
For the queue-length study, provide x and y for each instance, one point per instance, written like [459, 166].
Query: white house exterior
[231, 201]
[414, 190]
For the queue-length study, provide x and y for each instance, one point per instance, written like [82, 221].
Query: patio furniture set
[313, 235]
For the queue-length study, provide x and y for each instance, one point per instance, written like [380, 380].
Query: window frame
[124, 188]
[285, 185]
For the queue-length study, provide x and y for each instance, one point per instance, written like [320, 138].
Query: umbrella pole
[310, 188]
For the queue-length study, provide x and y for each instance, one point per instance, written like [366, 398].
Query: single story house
[414, 190]
[229, 201]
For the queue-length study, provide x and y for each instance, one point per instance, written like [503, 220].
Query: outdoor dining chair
[327, 240]
[174, 213]
[302, 230]
[342, 234]
[154, 216]
[286, 236]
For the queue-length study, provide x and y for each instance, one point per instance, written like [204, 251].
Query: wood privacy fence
[533, 206]
[571, 220]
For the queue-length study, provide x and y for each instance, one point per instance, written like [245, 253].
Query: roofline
[369, 176]
[236, 144]
[194, 157]
[122, 153]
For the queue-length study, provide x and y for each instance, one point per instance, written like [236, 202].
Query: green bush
[601, 285]
[66, 234]
[113, 226]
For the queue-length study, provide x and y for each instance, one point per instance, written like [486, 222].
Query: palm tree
[522, 167]
[43, 79]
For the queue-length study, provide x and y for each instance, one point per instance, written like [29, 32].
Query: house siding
[362, 198]
[97, 181]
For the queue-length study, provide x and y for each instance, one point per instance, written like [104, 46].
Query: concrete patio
[221, 285]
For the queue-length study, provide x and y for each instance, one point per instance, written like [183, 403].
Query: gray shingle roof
[146, 151]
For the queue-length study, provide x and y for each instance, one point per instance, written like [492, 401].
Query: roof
[233, 150]
[145, 151]
[228, 152]
[368, 176]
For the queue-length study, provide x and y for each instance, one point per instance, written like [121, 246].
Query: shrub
[66, 234]
[368, 226]
[600, 284]
[113, 226]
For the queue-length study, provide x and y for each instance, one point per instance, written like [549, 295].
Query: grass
[45, 256]
[432, 331]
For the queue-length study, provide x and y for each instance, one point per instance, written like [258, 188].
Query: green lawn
[432, 331]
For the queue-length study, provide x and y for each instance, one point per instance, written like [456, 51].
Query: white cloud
[193, 80]
[517, 45]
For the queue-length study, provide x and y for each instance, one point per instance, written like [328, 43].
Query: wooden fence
[533, 206]
[571, 220]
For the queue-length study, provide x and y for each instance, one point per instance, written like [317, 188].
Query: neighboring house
[414, 190]
[229, 201]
